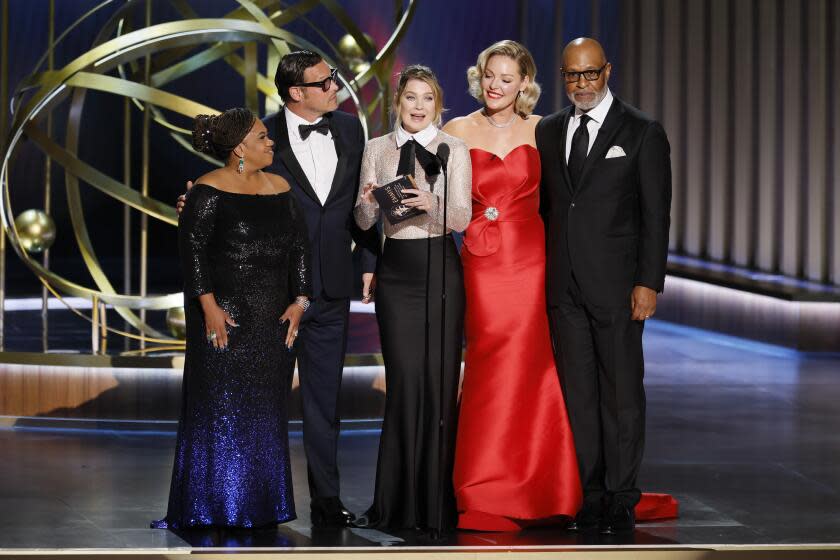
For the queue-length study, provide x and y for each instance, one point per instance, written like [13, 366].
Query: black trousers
[321, 344]
[599, 351]
[414, 467]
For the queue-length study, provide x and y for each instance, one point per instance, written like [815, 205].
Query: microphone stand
[437, 533]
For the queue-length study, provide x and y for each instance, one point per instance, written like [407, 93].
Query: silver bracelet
[302, 302]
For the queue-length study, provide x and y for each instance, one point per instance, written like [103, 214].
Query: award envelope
[390, 197]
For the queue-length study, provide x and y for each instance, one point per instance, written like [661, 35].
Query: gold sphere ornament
[350, 49]
[36, 230]
[359, 66]
[176, 322]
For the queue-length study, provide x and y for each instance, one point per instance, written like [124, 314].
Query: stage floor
[745, 435]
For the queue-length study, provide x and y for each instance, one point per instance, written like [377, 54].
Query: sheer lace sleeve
[366, 213]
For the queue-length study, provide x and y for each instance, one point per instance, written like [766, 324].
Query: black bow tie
[412, 150]
[322, 126]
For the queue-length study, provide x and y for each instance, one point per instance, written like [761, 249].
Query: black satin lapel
[338, 178]
[561, 147]
[287, 156]
[606, 133]
[341, 165]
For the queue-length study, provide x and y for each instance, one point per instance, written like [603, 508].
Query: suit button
[572, 205]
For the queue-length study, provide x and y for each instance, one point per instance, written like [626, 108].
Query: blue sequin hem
[166, 524]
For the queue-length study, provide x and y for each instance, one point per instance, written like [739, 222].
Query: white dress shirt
[596, 119]
[316, 155]
[424, 137]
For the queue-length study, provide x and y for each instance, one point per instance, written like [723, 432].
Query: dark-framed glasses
[589, 75]
[324, 84]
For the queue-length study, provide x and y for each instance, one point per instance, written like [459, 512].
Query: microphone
[443, 154]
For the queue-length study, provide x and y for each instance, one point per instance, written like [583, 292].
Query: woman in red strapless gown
[515, 461]
[515, 458]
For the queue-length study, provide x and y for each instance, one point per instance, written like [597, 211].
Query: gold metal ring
[119, 47]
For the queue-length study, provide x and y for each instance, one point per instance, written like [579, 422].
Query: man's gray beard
[588, 106]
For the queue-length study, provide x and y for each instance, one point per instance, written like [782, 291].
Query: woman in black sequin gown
[245, 260]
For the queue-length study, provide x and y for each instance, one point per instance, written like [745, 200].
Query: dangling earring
[241, 166]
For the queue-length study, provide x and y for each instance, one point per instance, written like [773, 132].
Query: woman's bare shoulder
[215, 178]
[464, 127]
[279, 183]
[532, 120]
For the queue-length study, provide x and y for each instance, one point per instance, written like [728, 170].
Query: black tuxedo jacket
[331, 225]
[611, 232]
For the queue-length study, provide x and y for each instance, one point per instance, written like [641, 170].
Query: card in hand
[390, 197]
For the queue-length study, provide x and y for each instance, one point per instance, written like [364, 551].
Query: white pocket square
[615, 151]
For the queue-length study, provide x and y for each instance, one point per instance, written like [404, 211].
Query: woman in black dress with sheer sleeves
[414, 468]
[245, 260]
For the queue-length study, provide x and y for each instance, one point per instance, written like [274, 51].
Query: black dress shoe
[587, 519]
[620, 519]
[330, 513]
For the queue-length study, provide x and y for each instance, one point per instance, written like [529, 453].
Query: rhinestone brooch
[491, 213]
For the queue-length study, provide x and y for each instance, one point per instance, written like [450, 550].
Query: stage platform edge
[706, 552]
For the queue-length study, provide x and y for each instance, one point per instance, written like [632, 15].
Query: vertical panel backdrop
[747, 90]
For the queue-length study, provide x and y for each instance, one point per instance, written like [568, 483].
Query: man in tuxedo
[605, 200]
[318, 150]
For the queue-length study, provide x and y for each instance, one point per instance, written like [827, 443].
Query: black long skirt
[413, 478]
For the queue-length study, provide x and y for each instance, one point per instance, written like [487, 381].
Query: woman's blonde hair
[424, 74]
[526, 101]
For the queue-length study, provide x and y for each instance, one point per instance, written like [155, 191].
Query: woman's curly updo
[218, 135]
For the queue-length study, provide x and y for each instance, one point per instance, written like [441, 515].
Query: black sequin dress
[232, 456]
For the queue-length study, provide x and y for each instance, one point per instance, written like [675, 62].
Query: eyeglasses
[590, 75]
[324, 84]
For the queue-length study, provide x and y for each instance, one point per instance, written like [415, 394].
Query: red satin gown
[515, 461]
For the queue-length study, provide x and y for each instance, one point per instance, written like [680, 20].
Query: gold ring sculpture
[171, 51]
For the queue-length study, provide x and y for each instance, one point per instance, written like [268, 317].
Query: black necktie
[580, 145]
[322, 126]
[412, 151]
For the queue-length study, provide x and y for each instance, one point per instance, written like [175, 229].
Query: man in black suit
[319, 152]
[605, 200]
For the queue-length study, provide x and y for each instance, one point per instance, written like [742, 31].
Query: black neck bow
[412, 151]
[322, 126]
